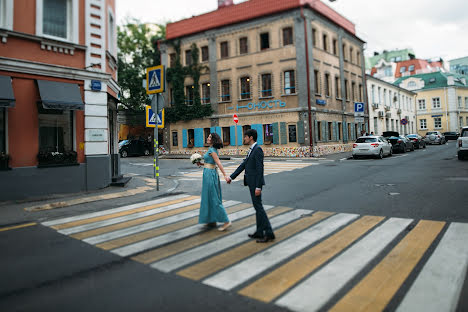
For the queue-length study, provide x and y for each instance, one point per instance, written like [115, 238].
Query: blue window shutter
[259, 129]
[283, 134]
[184, 138]
[239, 136]
[316, 131]
[275, 133]
[300, 132]
[335, 131]
[219, 132]
[232, 135]
[199, 137]
[345, 132]
[212, 129]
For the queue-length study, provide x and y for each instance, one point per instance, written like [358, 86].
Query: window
[266, 85]
[206, 93]
[335, 46]
[421, 104]
[411, 68]
[225, 91]
[398, 58]
[224, 49]
[460, 102]
[55, 130]
[353, 91]
[226, 135]
[287, 36]
[461, 122]
[330, 131]
[189, 95]
[388, 71]
[243, 45]
[175, 141]
[292, 133]
[56, 18]
[339, 131]
[314, 37]
[376, 129]
[172, 59]
[337, 87]
[325, 42]
[351, 54]
[437, 122]
[244, 129]
[466, 102]
[190, 137]
[319, 130]
[327, 85]
[436, 102]
[206, 132]
[188, 57]
[402, 69]
[412, 84]
[344, 52]
[289, 82]
[385, 97]
[245, 88]
[358, 57]
[347, 89]
[268, 134]
[204, 54]
[264, 41]
[316, 82]
[2, 130]
[111, 35]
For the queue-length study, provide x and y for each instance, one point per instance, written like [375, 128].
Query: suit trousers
[263, 224]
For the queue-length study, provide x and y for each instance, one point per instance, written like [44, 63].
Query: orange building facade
[58, 97]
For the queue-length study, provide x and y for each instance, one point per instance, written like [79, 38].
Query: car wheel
[460, 156]
[391, 152]
[412, 148]
[123, 154]
[403, 149]
[355, 157]
[380, 156]
[147, 152]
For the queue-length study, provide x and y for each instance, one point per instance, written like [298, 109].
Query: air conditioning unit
[399, 111]
[381, 114]
[375, 105]
[387, 108]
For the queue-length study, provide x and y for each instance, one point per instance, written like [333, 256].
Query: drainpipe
[446, 109]
[311, 141]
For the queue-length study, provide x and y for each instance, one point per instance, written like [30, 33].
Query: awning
[7, 98]
[60, 95]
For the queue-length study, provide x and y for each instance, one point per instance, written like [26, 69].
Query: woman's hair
[216, 141]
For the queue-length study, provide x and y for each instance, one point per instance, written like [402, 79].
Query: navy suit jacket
[253, 166]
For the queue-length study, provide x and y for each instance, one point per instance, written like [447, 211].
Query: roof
[387, 56]
[436, 80]
[250, 10]
[370, 77]
[419, 65]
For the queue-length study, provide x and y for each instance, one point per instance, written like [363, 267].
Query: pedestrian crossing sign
[153, 119]
[155, 79]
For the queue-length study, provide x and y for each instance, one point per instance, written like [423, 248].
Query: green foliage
[176, 76]
[137, 50]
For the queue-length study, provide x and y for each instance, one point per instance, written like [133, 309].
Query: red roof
[420, 66]
[249, 10]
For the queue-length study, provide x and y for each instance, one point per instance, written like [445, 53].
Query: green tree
[138, 49]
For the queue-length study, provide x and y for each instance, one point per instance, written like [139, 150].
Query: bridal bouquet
[196, 158]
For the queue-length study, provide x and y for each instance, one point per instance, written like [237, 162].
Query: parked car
[418, 141]
[451, 135]
[372, 145]
[462, 144]
[399, 142]
[135, 147]
[434, 137]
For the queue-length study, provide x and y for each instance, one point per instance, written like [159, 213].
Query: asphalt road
[43, 270]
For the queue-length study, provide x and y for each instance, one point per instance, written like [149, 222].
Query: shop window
[267, 134]
[175, 140]
[243, 45]
[189, 95]
[245, 88]
[188, 57]
[55, 131]
[264, 41]
[292, 133]
[224, 49]
[287, 36]
[206, 132]
[172, 59]
[225, 91]
[353, 91]
[2, 130]
[204, 54]
[190, 137]
[244, 129]
[226, 136]
[266, 85]
[289, 82]
[205, 93]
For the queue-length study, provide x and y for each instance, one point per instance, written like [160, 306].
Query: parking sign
[155, 79]
[358, 107]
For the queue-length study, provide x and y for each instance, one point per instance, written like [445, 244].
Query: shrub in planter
[57, 158]
[4, 159]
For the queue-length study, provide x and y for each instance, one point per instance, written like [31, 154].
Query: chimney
[450, 80]
[224, 3]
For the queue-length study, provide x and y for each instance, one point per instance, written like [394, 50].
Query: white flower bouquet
[196, 158]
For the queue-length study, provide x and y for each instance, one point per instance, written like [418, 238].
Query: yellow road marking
[14, 227]
[119, 242]
[280, 280]
[118, 226]
[196, 240]
[119, 214]
[219, 262]
[376, 290]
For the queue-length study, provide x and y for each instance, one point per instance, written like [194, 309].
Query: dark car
[418, 140]
[136, 147]
[451, 135]
[399, 142]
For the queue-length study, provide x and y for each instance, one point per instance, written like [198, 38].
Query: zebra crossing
[270, 167]
[337, 261]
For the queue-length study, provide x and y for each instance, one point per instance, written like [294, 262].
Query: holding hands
[228, 179]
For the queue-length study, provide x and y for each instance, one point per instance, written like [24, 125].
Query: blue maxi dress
[211, 206]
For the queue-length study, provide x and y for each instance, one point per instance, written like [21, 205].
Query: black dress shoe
[266, 239]
[255, 235]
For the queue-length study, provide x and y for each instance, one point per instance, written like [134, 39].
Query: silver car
[434, 137]
[372, 145]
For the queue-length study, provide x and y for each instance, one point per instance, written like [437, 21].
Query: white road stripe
[98, 224]
[110, 211]
[148, 226]
[315, 291]
[189, 256]
[247, 269]
[442, 276]
[174, 236]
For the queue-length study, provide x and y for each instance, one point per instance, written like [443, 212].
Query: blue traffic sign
[358, 107]
[152, 119]
[155, 79]
[404, 121]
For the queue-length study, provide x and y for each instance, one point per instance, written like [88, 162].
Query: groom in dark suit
[253, 178]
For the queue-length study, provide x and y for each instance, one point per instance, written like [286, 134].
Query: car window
[464, 133]
[431, 132]
[366, 140]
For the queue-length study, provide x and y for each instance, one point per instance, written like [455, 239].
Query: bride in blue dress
[211, 206]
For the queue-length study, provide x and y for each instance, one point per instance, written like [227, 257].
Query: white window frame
[460, 102]
[7, 12]
[111, 33]
[436, 100]
[72, 20]
[466, 101]
[435, 122]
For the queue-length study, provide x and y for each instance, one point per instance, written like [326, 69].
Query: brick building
[290, 69]
[58, 96]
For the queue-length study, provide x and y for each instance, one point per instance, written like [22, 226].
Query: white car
[462, 143]
[372, 145]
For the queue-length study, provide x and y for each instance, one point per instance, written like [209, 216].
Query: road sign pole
[156, 145]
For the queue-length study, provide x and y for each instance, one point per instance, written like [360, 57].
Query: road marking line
[14, 227]
[199, 239]
[247, 269]
[442, 276]
[277, 282]
[217, 263]
[378, 287]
